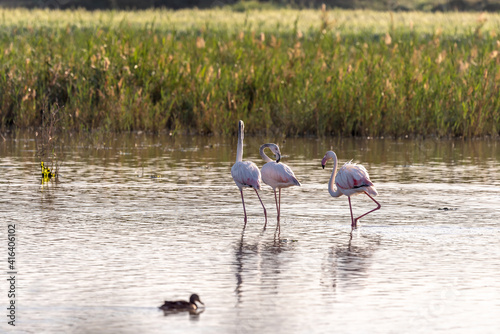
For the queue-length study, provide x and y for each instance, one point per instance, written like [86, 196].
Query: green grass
[358, 73]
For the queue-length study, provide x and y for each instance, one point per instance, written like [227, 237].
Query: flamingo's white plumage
[246, 173]
[351, 179]
[276, 174]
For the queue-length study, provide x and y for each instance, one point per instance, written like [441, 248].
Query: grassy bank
[295, 72]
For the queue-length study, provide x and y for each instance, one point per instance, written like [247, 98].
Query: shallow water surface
[137, 219]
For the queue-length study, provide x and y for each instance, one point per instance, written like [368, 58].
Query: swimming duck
[182, 305]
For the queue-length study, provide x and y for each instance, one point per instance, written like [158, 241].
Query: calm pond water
[100, 250]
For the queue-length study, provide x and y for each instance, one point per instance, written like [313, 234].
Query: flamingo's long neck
[333, 192]
[239, 151]
[263, 154]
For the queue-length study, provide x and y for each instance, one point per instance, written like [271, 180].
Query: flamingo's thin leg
[278, 203]
[378, 207]
[277, 207]
[353, 222]
[244, 210]
[265, 213]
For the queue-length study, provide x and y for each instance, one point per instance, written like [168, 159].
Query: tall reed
[354, 73]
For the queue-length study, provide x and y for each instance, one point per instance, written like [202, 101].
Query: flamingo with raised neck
[246, 173]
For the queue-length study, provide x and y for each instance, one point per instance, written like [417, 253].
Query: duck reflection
[194, 315]
[259, 259]
[349, 262]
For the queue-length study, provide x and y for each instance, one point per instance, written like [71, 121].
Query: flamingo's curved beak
[323, 166]
[278, 157]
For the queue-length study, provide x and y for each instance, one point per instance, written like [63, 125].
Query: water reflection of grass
[287, 71]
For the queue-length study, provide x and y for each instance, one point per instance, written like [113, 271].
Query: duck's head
[195, 298]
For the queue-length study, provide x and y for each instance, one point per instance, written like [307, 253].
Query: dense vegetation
[289, 71]
[240, 5]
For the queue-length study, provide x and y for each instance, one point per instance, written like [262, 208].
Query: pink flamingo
[276, 174]
[351, 179]
[246, 173]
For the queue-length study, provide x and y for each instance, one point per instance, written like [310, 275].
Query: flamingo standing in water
[351, 179]
[246, 173]
[276, 174]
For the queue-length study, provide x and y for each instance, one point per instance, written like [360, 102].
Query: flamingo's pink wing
[287, 175]
[352, 176]
[278, 175]
[247, 174]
